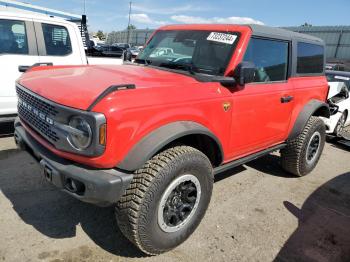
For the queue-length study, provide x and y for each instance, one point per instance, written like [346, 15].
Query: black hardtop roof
[283, 34]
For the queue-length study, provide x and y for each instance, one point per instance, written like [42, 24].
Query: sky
[109, 15]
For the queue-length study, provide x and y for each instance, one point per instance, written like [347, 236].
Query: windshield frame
[189, 70]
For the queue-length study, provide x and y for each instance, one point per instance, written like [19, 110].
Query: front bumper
[98, 186]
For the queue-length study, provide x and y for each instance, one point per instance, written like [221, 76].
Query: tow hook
[48, 173]
[19, 142]
[75, 186]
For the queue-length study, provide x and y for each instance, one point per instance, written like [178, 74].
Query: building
[337, 38]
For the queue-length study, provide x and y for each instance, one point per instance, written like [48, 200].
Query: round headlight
[81, 137]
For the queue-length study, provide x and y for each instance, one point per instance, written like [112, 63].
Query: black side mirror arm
[225, 81]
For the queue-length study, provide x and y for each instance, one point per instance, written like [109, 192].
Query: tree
[306, 25]
[100, 35]
[131, 27]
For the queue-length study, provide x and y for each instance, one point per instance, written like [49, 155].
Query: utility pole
[128, 35]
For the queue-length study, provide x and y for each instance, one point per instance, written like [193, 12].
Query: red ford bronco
[148, 137]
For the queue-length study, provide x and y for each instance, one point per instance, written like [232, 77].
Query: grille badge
[35, 111]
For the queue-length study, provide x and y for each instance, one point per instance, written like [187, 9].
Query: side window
[57, 40]
[270, 58]
[13, 37]
[310, 58]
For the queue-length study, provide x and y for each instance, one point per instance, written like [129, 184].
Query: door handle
[286, 99]
[24, 68]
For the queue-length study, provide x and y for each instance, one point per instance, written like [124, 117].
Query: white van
[26, 40]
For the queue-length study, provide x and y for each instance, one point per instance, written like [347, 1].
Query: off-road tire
[137, 210]
[293, 156]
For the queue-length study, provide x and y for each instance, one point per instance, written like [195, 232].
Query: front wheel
[302, 154]
[166, 200]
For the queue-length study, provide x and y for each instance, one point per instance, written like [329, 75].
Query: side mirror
[245, 73]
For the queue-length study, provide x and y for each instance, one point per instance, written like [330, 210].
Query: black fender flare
[312, 108]
[153, 142]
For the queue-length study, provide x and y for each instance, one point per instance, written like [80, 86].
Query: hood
[79, 86]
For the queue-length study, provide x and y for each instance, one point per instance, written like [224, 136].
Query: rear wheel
[166, 200]
[302, 154]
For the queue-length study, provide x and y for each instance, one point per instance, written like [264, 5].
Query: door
[17, 47]
[262, 109]
[59, 44]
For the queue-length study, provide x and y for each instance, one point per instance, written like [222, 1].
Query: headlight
[80, 134]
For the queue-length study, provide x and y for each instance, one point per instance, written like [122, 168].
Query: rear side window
[310, 58]
[57, 40]
[13, 37]
[270, 58]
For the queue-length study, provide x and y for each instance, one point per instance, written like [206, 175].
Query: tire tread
[291, 155]
[128, 209]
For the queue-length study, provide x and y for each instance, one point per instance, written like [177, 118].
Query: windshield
[194, 51]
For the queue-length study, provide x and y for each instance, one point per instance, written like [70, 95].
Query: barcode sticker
[222, 38]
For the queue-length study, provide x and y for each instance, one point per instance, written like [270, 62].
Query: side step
[247, 159]
[344, 142]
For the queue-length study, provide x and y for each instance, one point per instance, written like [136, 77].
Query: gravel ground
[257, 213]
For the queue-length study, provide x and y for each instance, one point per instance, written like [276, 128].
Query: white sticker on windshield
[222, 38]
[342, 78]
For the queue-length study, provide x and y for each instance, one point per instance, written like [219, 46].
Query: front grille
[36, 113]
[50, 120]
[36, 102]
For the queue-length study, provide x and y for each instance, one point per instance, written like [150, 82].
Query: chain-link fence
[136, 36]
[337, 39]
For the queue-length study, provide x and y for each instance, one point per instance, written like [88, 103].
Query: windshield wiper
[186, 67]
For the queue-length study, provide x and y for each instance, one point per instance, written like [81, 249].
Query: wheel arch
[177, 133]
[312, 108]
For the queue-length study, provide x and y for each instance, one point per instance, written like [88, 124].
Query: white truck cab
[27, 39]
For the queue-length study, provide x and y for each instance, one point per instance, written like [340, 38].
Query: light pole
[128, 35]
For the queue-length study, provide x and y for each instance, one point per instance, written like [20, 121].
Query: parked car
[27, 40]
[335, 67]
[107, 51]
[135, 50]
[124, 46]
[148, 137]
[339, 101]
[132, 53]
[339, 76]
